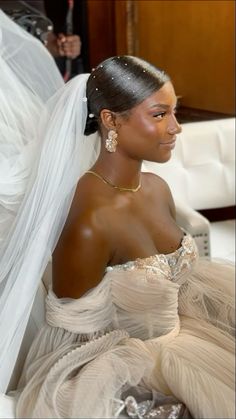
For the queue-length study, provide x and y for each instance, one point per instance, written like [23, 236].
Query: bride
[136, 324]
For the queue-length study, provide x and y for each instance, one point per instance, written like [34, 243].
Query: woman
[132, 315]
[110, 222]
[122, 266]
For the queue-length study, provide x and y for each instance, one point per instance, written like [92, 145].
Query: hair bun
[91, 125]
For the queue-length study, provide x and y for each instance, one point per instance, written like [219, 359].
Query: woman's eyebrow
[163, 105]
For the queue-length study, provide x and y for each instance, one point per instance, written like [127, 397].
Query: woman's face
[149, 133]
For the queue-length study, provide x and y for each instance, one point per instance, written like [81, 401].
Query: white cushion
[201, 170]
[222, 239]
[7, 406]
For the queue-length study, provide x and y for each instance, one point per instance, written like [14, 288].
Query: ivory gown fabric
[164, 323]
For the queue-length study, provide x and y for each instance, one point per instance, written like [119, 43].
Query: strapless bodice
[139, 296]
[171, 266]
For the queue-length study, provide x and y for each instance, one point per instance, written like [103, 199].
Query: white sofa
[201, 175]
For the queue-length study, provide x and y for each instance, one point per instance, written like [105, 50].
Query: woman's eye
[159, 115]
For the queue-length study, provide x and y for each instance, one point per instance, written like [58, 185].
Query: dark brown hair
[118, 84]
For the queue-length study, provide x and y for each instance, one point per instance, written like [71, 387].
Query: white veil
[43, 153]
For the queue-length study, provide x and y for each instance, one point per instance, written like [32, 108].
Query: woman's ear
[108, 119]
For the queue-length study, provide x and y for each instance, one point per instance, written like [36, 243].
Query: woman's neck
[118, 169]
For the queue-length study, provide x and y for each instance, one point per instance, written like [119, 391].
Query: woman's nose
[174, 127]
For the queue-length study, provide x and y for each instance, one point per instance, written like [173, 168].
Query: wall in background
[194, 42]
[101, 30]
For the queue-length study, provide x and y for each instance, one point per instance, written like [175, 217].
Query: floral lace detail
[171, 265]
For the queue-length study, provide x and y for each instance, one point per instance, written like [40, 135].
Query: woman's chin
[164, 158]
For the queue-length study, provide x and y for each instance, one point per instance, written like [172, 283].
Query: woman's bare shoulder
[159, 188]
[84, 249]
[87, 222]
[155, 180]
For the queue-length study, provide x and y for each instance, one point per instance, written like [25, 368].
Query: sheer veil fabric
[43, 152]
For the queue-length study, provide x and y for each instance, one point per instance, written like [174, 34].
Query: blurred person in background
[60, 26]
[68, 41]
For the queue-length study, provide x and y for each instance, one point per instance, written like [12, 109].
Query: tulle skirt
[194, 363]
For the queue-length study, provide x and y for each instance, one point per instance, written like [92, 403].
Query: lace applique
[172, 265]
[186, 257]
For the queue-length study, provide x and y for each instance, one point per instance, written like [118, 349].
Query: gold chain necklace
[114, 186]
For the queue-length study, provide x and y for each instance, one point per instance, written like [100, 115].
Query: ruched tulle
[164, 322]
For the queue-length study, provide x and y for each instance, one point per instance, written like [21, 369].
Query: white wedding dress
[163, 322]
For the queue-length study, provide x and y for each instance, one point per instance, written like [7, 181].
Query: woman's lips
[168, 144]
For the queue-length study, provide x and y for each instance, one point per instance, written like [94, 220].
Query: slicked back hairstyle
[118, 84]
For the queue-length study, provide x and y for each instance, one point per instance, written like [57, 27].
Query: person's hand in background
[68, 46]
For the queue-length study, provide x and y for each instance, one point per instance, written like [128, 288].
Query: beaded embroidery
[146, 410]
[171, 265]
